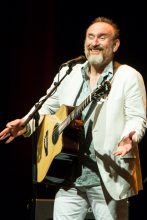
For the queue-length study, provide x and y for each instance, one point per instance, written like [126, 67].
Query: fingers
[13, 129]
[124, 145]
[11, 138]
[121, 151]
[5, 133]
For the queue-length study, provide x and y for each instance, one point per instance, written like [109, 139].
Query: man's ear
[116, 45]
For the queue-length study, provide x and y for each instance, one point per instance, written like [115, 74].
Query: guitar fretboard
[97, 94]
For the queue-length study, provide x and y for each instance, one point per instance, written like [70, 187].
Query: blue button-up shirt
[87, 166]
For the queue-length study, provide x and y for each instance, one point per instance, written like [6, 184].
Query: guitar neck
[97, 94]
[74, 114]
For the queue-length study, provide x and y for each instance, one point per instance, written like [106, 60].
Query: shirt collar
[106, 74]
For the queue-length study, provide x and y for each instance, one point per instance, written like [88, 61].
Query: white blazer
[123, 111]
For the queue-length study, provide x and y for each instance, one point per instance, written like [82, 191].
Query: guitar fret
[65, 123]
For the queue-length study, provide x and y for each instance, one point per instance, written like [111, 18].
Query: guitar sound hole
[55, 135]
[46, 143]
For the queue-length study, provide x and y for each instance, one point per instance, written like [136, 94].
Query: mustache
[96, 48]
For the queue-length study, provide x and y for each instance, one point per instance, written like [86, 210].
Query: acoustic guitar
[51, 135]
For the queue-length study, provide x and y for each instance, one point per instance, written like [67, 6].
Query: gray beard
[95, 60]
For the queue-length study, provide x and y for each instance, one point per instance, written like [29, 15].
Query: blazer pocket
[127, 162]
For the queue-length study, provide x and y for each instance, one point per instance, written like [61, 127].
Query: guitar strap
[94, 103]
[78, 94]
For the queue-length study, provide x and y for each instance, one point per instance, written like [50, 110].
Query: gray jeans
[73, 204]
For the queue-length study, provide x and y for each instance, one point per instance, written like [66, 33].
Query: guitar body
[47, 148]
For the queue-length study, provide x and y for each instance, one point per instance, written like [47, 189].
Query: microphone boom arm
[39, 104]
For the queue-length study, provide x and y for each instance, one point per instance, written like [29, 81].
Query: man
[108, 171]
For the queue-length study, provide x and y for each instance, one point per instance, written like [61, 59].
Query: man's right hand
[13, 129]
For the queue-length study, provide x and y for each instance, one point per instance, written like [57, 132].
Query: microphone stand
[35, 115]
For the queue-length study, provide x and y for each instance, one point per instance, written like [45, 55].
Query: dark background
[36, 38]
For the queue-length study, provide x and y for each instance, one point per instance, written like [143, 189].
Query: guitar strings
[59, 127]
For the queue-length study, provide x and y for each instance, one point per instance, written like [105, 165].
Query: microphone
[71, 63]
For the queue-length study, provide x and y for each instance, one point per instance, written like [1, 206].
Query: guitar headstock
[101, 91]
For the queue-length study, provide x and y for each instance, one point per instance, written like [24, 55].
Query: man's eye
[103, 37]
[91, 36]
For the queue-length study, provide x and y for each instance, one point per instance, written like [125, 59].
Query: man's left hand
[125, 145]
